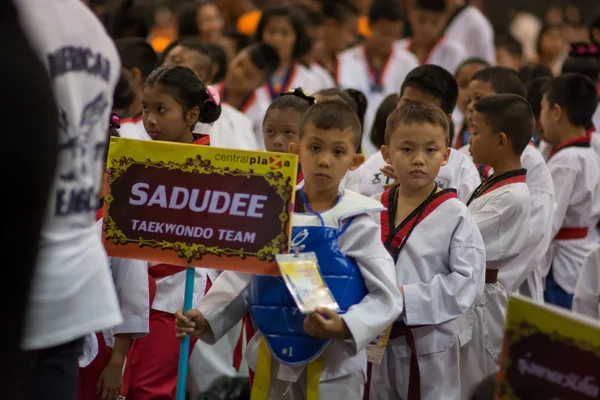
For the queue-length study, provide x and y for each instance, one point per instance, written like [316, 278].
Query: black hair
[543, 31]
[188, 25]
[129, 20]
[241, 41]
[508, 41]
[339, 95]
[485, 390]
[295, 99]
[332, 114]
[503, 80]
[313, 17]
[438, 6]
[339, 10]
[388, 10]
[187, 89]
[416, 113]
[535, 93]
[123, 95]
[471, 61]
[576, 94]
[294, 15]
[529, 72]
[385, 109]
[511, 114]
[583, 59]
[265, 57]
[594, 24]
[137, 53]
[435, 81]
[217, 54]
[361, 101]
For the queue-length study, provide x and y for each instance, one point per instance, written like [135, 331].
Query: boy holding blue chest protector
[320, 355]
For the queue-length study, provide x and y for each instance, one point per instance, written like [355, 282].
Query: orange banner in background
[198, 206]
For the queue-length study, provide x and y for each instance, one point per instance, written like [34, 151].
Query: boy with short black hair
[439, 256]
[340, 32]
[138, 57]
[434, 85]
[377, 68]
[502, 127]
[358, 263]
[523, 273]
[509, 52]
[567, 106]
[427, 42]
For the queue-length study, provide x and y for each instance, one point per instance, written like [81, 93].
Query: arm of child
[111, 378]
[383, 304]
[447, 297]
[225, 304]
[564, 179]
[131, 282]
[587, 292]
[468, 182]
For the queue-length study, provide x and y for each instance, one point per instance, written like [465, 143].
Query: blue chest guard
[272, 307]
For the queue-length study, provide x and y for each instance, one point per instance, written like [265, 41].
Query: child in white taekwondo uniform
[567, 107]
[428, 84]
[466, 22]
[526, 268]
[586, 300]
[440, 260]
[427, 43]
[367, 291]
[376, 68]
[249, 70]
[502, 126]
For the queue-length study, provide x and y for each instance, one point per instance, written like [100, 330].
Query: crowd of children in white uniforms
[451, 184]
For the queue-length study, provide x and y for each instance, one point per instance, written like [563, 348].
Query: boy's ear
[137, 76]
[503, 139]
[446, 156]
[557, 111]
[357, 161]
[191, 117]
[385, 152]
[294, 148]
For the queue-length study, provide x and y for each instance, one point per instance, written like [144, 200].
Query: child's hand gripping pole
[184, 349]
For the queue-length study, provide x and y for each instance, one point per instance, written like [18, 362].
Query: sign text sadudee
[198, 206]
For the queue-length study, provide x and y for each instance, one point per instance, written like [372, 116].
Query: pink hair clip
[213, 95]
[115, 121]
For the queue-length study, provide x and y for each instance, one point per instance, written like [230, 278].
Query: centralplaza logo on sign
[274, 162]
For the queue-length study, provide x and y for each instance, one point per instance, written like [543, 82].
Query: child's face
[463, 78]
[198, 62]
[317, 35]
[427, 26]
[280, 34]
[341, 35]
[280, 129]
[478, 90]
[505, 59]
[211, 23]
[326, 155]
[483, 141]
[552, 42]
[417, 152]
[243, 74]
[163, 116]
[549, 119]
[384, 34]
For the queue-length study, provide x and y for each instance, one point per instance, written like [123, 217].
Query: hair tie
[299, 92]
[114, 121]
[213, 95]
